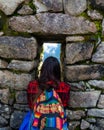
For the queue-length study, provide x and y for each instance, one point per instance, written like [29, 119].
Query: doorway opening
[49, 49]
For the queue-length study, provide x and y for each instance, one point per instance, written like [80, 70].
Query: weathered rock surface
[96, 112]
[21, 65]
[5, 128]
[73, 125]
[98, 4]
[21, 97]
[70, 39]
[79, 27]
[97, 83]
[4, 95]
[25, 10]
[84, 72]
[75, 7]
[22, 107]
[18, 47]
[84, 99]
[78, 52]
[3, 64]
[84, 124]
[51, 23]
[98, 56]
[94, 15]
[16, 119]
[100, 122]
[101, 102]
[5, 110]
[3, 121]
[9, 7]
[14, 81]
[75, 115]
[48, 5]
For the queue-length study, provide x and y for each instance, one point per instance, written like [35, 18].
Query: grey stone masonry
[3, 121]
[96, 112]
[84, 99]
[84, 72]
[75, 115]
[101, 101]
[103, 27]
[9, 8]
[99, 84]
[78, 27]
[21, 65]
[25, 10]
[84, 125]
[21, 97]
[98, 4]
[13, 80]
[5, 128]
[3, 64]
[52, 23]
[95, 15]
[18, 47]
[75, 7]
[4, 95]
[100, 122]
[16, 115]
[76, 52]
[48, 5]
[98, 56]
[74, 39]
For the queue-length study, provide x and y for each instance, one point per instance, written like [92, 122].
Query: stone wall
[79, 26]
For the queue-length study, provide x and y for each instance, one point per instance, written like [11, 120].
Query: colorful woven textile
[49, 112]
[62, 89]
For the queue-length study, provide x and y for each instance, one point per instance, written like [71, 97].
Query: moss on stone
[32, 6]
[102, 37]
[77, 128]
[98, 25]
[12, 94]
[3, 21]
[84, 14]
[99, 28]
[89, 6]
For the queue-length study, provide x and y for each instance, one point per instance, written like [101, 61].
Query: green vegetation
[84, 14]
[32, 6]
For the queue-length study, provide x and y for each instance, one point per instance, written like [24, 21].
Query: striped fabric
[62, 89]
[49, 112]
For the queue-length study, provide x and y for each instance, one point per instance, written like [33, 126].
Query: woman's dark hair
[50, 71]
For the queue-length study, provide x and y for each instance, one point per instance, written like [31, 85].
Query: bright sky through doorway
[51, 49]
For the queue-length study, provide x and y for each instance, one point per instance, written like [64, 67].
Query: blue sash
[27, 122]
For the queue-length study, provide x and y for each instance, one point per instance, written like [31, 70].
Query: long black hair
[50, 71]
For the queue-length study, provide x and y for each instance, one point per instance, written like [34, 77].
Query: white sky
[50, 47]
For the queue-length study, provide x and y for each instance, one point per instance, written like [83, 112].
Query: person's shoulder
[32, 86]
[33, 82]
[64, 85]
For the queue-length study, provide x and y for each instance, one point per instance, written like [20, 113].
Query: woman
[49, 79]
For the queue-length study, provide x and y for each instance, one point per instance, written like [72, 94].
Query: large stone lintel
[52, 24]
